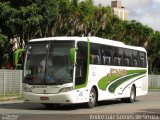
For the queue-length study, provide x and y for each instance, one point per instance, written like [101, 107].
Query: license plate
[44, 98]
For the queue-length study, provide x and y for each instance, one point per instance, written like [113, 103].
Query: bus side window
[128, 57]
[135, 58]
[142, 59]
[117, 61]
[107, 52]
[118, 56]
[106, 60]
[126, 60]
[135, 62]
[95, 57]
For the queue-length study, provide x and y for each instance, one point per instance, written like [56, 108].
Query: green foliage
[49, 12]
[3, 39]
[154, 53]
[3, 42]
[27, 19]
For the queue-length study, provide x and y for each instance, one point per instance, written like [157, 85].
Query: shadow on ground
[64, 107]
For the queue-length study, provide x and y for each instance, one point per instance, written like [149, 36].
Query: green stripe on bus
[106, 80]
[88, 62]
[116, 84]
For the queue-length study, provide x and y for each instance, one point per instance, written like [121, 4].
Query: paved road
[26, 111]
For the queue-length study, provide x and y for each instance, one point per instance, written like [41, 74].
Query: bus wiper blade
[63, 82]
[60, 83]
[54, 83]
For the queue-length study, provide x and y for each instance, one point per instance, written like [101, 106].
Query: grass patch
[10, 96]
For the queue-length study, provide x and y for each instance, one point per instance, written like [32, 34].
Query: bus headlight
[26, 89]
[66, 89]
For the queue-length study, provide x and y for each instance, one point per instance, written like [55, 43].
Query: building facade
[118, 10]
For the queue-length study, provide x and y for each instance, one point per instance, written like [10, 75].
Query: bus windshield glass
[48, 63]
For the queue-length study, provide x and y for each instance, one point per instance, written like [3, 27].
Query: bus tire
[132, 97]
[92, 99]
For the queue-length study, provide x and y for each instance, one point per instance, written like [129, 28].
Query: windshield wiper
[63, 82]
[60, 82]
[32, 80]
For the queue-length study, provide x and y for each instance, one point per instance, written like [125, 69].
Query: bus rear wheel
[132, 96]
[92, 98]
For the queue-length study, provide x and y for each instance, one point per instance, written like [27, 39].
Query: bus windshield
[48, 63]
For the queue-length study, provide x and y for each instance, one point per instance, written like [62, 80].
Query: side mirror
[73, 55]
[17, 58]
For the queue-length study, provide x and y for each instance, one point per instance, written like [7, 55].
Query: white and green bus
[69, 70]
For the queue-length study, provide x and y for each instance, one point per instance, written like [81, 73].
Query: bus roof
[92, 39]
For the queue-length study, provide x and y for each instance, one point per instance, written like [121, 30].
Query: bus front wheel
[92, 98]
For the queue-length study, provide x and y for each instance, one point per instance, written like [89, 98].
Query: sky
[145, 11]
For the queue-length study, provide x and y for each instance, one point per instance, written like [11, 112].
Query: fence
[154, 81]
[11, 82]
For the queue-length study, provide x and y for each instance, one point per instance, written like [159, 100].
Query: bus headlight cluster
[26, 89]
[66, 89]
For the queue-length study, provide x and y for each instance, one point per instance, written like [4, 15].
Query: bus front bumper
[66, 97]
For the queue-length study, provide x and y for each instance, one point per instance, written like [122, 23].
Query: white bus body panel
[96, 72]
[53, 94]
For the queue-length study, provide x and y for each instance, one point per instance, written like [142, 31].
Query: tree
[19, 22]
[49, 12]
[3, 51]
[116, 29]
[23, 20]
[154, 54]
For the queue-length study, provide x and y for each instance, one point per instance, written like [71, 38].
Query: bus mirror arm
[73, 52]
